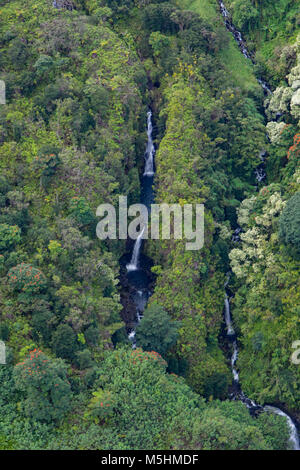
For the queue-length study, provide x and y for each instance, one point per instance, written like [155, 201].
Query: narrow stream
[260, 175]
[241, 42]
[238, 394]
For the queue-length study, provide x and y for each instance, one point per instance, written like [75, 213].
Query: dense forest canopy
[80, 76]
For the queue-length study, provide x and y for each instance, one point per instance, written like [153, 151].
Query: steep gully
[136, 278]
[136, 271]
[138, 281]
[260, 174]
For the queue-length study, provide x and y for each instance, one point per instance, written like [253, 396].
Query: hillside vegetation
[79, 81]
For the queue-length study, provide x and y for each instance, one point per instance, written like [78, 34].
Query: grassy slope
[237, 66]
[277, 28]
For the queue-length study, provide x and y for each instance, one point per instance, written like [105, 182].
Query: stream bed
[260, 175]
[136, 270]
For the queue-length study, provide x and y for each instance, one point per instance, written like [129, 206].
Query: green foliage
[79, 80]
[245, 15]
[84, 359]
[289, 224]
[156, 332]
[227, 426]
[81, 211]
[47, 392]
[10, 235]
[24, 277]
[64, 342]
[42, 320]
[266, 304]
[46, 163]
[139, 406]
[216, 386]
[268, 27]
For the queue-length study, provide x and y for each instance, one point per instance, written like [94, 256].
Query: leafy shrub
[26, 278]
[10, 235]
[294, 151]
[156, 331]
[18, 52]
[92, 335]
[84, 359]
[289, 223]
[64, 342]
[47, 161]
[46, 387]
[81, 211]
[41, 324]
[216, 386]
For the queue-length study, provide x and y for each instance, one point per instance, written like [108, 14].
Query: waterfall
[137, 276]
[148, 173]
[228, 320]
[236, 238]
[241, 43]
[260, 176]
[239, 395]
[230, 329]
[294, 438]
[150, 151]
[234, 359]
[134, 263]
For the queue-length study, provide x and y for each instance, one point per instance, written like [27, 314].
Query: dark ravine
[260, 174]
[241, 43]
[136, 277]
[138, 282]
[237, 392]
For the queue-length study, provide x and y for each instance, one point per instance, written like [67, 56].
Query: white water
[260, 174]
[234, 358]
[228, 320]
[294, 438]
[236, 236]
[149, 171]
[224, 10]
[141, 295]
[230, 329]
[242, 44]
[150, 151]
[134, 263]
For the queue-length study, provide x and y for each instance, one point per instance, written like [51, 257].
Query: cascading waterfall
[294, 438]
[136, 277]
[148, 173]
[134, 263]
[239, 394]
[150, 152]
[63, 4]
[241, 42]
[260, 176]
[230, 329]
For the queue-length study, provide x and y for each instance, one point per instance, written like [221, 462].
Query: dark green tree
[44, 383]
[10, 235]
[157, 332]
[26, 278]
[216, 386]
[64, 342]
